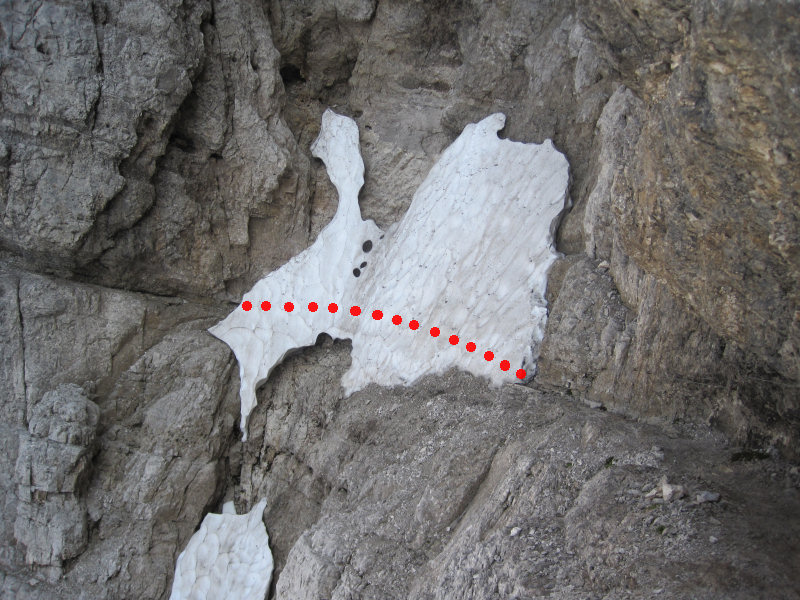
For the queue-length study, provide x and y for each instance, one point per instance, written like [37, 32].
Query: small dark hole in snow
[367, 246]
[356, 272]
[364, 264]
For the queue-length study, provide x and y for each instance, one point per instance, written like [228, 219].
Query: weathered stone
[163, 146]
[400, 507]
[171, 390]
[52, 472]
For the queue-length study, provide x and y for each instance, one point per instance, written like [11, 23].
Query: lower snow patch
[228, 557]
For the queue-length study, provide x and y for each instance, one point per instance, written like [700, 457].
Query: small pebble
[671, 492]
[653, 493]
[515, 531]
[707, 497]
[713, 539]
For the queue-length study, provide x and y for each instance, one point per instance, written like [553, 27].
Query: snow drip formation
[469, 257]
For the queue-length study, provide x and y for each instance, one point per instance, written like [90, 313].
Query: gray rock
[154, 164]
[375, 525]
[161, 428]
[52, 471]
[707, 497]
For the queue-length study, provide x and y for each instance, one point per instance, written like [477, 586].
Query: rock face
[53, 467]
[555, 504]
[155, 164]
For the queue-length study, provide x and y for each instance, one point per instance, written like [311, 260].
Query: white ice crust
[228, 557]
[469, 257]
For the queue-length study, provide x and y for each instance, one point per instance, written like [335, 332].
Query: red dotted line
[396, 320]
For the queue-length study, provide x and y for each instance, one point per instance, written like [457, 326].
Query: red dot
[413, 325]
[505, 365]
[355, 310]
[265, 306]
[247, 305]
[397, 319]
[332, 308]
[454, 340]
[313, 306]
[288, 307]
[377, 315]
[435, 331]
[520, 373]
[488, 355]
[471, 346]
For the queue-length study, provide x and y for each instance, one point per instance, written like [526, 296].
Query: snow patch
[469, 257]
[228, 557]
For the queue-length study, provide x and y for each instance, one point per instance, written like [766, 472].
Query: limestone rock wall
[155, 163]
[691, 210]
[678, 127]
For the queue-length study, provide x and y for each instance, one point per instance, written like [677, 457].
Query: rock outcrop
[558, 503]
[52, 471]
[155, 164]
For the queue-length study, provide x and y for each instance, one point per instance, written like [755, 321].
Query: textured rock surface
[534, 497]
[155, 164]
[418, 73]
[481, 287]
[52, 470]
[167, 409]
[124, 154]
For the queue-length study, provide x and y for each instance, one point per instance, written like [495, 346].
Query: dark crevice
[23, 353]
[182, 141]
[291, 74]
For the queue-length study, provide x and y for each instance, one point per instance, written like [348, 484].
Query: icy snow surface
[469, 257]
[228, 557]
